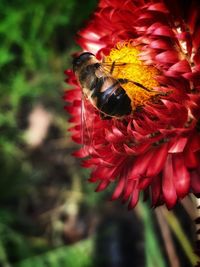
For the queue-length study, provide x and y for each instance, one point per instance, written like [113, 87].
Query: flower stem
[167, 238]
[181, 237]
[154, 255]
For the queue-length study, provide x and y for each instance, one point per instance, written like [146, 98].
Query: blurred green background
[49, 214]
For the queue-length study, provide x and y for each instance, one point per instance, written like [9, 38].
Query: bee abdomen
[114, 102]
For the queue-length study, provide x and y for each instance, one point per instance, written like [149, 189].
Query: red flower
[156, 149]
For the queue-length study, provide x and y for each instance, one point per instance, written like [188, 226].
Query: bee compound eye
[82, 58]
[76, 62]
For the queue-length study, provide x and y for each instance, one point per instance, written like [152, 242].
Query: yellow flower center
[141, 77]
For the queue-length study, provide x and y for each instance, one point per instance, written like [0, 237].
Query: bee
[103, 91]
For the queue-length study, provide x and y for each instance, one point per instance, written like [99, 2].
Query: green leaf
[5, 56]
[154, 255]
[77, 255]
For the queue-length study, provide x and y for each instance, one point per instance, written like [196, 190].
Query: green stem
[181, 237]
[154, 256]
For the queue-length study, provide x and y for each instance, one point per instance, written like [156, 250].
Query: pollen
[141, 78]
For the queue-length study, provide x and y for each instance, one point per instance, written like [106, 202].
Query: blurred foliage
[48, 214]
[37, 39]
[63, 256]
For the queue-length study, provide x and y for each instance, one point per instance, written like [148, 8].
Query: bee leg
[104, 116]
[114, 64]
[123, 81]
[112, 67]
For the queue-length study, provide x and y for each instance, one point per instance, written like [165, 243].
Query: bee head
[81, 59]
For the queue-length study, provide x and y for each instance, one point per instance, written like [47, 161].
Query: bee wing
[109, 67]
[105, 69]
[85, 129]
[87, 125]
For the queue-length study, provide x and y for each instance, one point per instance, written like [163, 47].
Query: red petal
[169, 56]
[110, 137]
[144, 182]
[119, 188]
[130, 150]
[195, 181]
[104, 173]
[160, 44]
[153, 27]
[157, 162]
[195, 142]
[155, 190]
[139, 129]
[181, 66]
[178, 145]
[181, 176]
[81, 153]
[134, 198]
[102, 185]
[168, 188]
[128, 188]
[158, 7]
[136, 150]
[196, 38]
[117, 132]
[73, 109]
[164, 31]
[71, 95]
[144, 17]
[140, 165]
[118, 150]
[190, 159]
